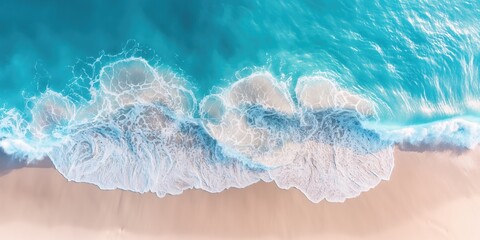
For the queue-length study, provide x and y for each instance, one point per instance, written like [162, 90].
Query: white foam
[144, 149]
[126, 153]
[298, 154]
[318, 92]
[51, 111]
[234, 132]
[334, 173]
[133, 81]
[452, 132]
[138, 133]
[231, 129]
[260, 88]
[212, 108]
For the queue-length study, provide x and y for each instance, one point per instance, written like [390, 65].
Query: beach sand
[431, 195]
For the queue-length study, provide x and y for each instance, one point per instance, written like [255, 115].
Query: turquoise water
[168, 95]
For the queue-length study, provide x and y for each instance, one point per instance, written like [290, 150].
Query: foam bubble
[163, 154]
[51, 112]
[318, 92]
[302, 140]
[260, 88]
[213, 109]
[133, 81]
[146, 148]
[452, 133]
[139, 133]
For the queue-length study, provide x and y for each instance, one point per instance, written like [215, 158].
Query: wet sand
[431, 195]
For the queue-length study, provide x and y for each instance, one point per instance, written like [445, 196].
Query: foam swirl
[139, 133]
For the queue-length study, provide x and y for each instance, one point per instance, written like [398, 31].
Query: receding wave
[143, 130]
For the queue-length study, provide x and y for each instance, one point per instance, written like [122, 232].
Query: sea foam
[142, 130]
[139, 132]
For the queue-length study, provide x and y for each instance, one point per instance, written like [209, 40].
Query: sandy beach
[431, 195]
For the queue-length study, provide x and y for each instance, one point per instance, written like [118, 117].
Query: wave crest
[138, 132]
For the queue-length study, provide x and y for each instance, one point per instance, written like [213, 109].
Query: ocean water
[164, 96]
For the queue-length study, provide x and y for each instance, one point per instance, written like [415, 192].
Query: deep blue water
[248, 88]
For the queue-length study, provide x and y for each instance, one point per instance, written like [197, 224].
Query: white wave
[260, 88]
[50, 112]
[162, 155]
[138, 133]
[167, 155]
[300, 145]
[134, 81]
[318, 92]
[232, 129]
[323, 171]
[452, 133]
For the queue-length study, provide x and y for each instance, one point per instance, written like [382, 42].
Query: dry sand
[431, 195]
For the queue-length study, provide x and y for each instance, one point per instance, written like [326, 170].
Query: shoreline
[430, 195]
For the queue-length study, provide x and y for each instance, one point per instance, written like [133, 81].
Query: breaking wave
[143, 130]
